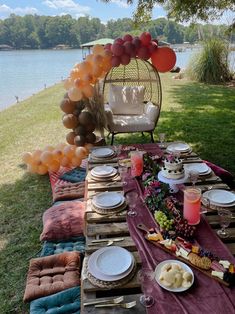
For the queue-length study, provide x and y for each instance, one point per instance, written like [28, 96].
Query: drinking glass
[131, 199]
[193, 176]
[225, 217]
[192, 205]
[146, 278]
[137, 163]
[162, 138]
[123, 171]
[117, 149]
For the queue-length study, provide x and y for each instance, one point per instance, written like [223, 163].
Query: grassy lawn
[202, 115]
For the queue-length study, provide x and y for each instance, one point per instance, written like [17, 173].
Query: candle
[137, 163]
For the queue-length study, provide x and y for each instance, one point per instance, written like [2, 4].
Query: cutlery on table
[113, 301]
[109, 241]
[127, 305]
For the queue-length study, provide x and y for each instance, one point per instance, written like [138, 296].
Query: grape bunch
[183, 229]
[164, 222]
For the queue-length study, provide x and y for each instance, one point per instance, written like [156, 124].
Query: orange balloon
[70, 121]
[36, 155]
[67, 105]
[65, 162]
[42, 169]
[46, 157]
[79, 83]
[75, 161]
[85, 67]
[97, 70]
[69, 152]
[32, 168]
[68, 83]
[88, 147]
[74, 74]
[88, 91]
[89, 58]
[49, 148]
[54, 166]
[57, 154]
[164, 59]
[75, 94]
[81, 152]
[27, 158]
[98, 49]
[98, 59]
[70, 138]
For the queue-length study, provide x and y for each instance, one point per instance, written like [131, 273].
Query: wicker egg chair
[136, 74]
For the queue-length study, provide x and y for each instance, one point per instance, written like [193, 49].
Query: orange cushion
[51, 274]
[63, 221]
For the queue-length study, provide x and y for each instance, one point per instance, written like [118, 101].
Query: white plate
[183, 265]
[102, 152]
[221, 197]
[102, 171]
[108, 199]
[179, 147]
[114, 261]
[92, 268]
[202, 168]
[102, 178]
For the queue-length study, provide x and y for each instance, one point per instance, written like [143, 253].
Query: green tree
[173, 33]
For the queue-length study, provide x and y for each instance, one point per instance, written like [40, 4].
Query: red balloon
[119, 41]
[144, 53]
[115, 61]
[117, 49]
[108, 47]
[145, 38]
[125, 59]
[127, 37]
[136, 41]
[129, 48]
[163, 59]
[152, 47]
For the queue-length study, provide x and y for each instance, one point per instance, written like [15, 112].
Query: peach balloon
[74, 74]
[57, 154]
[61, 146]
[85, 66]
[97, 70]
[98, 49]
[88, 147]
[79, 83]
[27, 158]
[81, 152]
[88, 91]
[98, 59]
[49, 148]
[54, 166]
[65, 162]
[46, 157]
[32, 168]
[75, 94]
[42, 169]
[75, 161]
[68, 83]
[36, 155]
[68, 152]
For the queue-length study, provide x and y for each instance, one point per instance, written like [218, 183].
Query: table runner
[206, 295]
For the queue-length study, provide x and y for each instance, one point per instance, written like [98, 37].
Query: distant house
[6, 47]
[61, 47]
[86, 48]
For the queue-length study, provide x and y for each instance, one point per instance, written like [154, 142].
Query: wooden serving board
[184, 260]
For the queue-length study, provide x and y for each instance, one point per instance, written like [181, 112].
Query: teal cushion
[64, 302]
[56, 247]
[75, 175]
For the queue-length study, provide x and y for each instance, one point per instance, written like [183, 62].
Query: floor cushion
[65, 302]
[67, 191]
[55, 177]
[50, 274]
[63, 221]
[75, 175]
[57, 247]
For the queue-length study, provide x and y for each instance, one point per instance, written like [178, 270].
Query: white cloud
[69, 5]
[120, 3]
[6, 10]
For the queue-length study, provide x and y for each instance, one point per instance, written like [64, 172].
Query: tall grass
[210, 65]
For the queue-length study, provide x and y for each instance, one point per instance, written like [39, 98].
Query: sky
[94, 8]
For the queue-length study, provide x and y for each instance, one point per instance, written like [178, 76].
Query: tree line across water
[41, 32]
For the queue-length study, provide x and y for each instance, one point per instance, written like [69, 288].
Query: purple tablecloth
[206, 295]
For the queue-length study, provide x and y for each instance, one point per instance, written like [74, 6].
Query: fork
[113, 301]
[127, 305]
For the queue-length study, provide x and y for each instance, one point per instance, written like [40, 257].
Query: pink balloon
[129, 48]
[145, 38]
[119, 41]
[136, 41]
[108, 47]
[115, 61]
[144, 53]
[127, 37]
[125, 59]
[117, 49]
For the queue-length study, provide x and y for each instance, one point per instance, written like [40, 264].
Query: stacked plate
[221, 198]
[111, 263]
[202, 168]
[108, 201]
[101, 173]
[102, 153]
[179, 147]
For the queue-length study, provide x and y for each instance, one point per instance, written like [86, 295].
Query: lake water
[25, 72]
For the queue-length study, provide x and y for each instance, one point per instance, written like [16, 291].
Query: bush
[210, 65]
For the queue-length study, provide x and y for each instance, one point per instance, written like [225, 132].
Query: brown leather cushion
[51, 274]
[63, 221]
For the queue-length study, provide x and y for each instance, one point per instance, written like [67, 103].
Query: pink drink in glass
[137, 163]
[192, 205]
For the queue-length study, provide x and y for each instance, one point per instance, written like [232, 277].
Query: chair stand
[112, 138]
[152, 138]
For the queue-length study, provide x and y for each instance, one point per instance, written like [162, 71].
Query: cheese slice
[218, 274]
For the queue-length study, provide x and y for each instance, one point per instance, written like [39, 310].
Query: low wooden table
[115, 226]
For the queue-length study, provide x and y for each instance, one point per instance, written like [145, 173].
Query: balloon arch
[80, 87]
